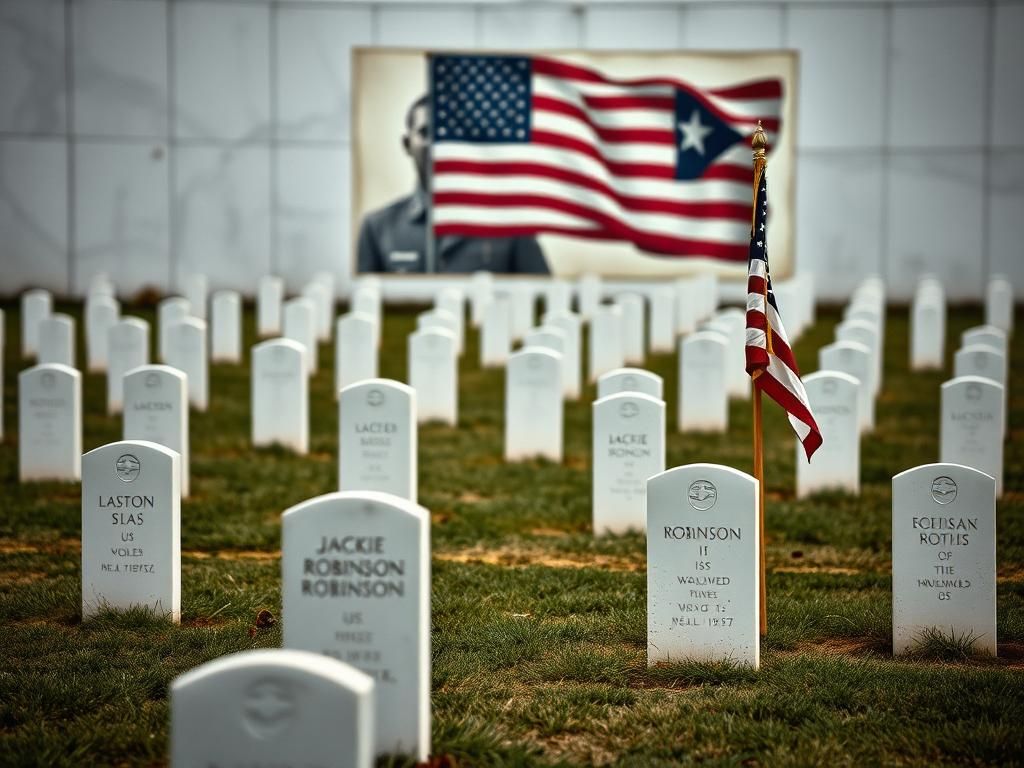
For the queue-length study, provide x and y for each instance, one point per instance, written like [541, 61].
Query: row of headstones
[928, 318]
[368, 554]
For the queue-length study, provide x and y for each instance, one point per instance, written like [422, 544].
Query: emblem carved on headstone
[943, 489]
[127, 467]
[268, 708]
[702, 495]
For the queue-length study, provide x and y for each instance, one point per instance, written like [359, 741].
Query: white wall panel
[935, 221]
[314, 62]
[939, 65]
[433, 26]
[839, 220]
[221, 70]
[733, 27]
[530, 27]
[33, 86]
[1007, 88]
[842, 75]
[33, 214]
[121, 215]
[222, 215]
[632, 27]
[120, 68]
[1006, 206]
[313, 229]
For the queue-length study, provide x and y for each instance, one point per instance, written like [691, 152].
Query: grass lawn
[538, 629]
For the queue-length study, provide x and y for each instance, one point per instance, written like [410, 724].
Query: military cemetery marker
[633, 337]
[433, 373]
[355, 585]
[999, 304]
[663, 320]
[186, 351]
[170, 311]
[589, 296]
[927, 330]
[367, 301]
[101, 312]
[194, 288]
[987, 362]
[481, 292]
[268, 306]
[127, 348]
[377, 441]
[319, 294]
[733, 324]
[971, 431]
[867, 334]
[226, 330]
[628, 449]
[453, 301]
[546, 337]
[50, 423]
[286, 709]
[355, 350]
[943, 556]
[630, 380]
[299, 324]
[533, 405]
[443, 319]
[854, 359]
[495, 333]
[988, 335]
[280, 395]
[558, 297]
[131, 528]
[572, 361]
[57, 340]
[833, 397]
[702, 566]
[522, 299]
[687, 306]
[36, 305]
[703, 401]
[156, 410]
[606, 345]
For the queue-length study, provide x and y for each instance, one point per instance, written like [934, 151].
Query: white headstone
[987, 362]
[852, 358]
[377, 438]
[101, 312]
[572, 361]
[703, 399]
[319, 294]
[733, 324]
[441, 318]
[49, 423]
[547, 337]
[272, 708]
[169, 312]
[606, 349]
[630, 380]
[702, 566]
[434, 374]
[558, 297]
[633, 337]
[533, 405]
[127, 348]
[999, 304]
[186, 351]
[226, 328]
[971, 430]
[194, 288]
[355, 585]
[101, 285]
[988, 335]
[299, 325]
[687, 306]
[57, 340]
[663, 320]
[481, 292]
[496, 333]
[268, 306]
[280, 395]
[355, 350]
[943, 556]
[131, 528]
[453, 301]
[867, 334]
[366, 300]
[522, 299]
[927, 331]
[36, 305]
[833, 397]
[156, 410]
[589, 296]
[628, 449]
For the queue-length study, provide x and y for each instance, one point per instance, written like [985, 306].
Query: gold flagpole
[759, 142]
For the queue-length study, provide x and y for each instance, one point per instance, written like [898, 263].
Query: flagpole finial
[759, 142]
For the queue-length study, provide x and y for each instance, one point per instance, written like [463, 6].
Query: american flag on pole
[770, 361]
[530, 144]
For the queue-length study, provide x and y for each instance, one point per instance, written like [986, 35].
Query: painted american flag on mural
[530, 144]
[770, 360]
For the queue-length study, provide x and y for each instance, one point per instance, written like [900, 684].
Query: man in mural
[394, 238]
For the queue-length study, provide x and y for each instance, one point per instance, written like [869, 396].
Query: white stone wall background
[151, 138]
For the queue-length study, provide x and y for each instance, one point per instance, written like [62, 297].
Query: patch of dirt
[57, 547]
[840, 646]
[809, 568]
[468, 497]
[552, 532]
[235, 554]
[1012, 573]
[17, 578]
[513, 557]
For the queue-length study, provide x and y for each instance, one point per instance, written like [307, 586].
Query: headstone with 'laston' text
[156, 409]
